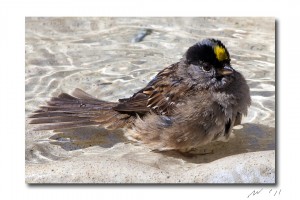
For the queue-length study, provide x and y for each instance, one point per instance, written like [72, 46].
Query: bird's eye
[206, 67]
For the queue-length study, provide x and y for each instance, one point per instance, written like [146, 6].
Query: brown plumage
[190, 103]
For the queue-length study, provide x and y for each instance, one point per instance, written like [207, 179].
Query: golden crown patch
[220, 53]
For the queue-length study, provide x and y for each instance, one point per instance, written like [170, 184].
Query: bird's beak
[226, 70]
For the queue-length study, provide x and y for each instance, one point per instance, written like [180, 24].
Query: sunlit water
[96, 55]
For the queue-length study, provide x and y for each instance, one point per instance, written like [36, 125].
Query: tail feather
[45, 113]
[78, 110]
[58, 119]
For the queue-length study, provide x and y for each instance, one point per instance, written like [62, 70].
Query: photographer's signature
[272, 192]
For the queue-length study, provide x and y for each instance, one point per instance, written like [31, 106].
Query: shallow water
[97, 55]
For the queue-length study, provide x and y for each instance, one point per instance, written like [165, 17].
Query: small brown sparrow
[190, 103]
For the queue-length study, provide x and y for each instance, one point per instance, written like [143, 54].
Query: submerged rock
[141, 35]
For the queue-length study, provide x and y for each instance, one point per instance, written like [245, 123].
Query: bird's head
[208, 62]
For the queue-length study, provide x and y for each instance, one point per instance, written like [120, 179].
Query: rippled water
[96, 55]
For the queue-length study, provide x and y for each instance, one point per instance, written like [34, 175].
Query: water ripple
[95, 54]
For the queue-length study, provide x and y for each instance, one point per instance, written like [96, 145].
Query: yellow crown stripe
[220, 53]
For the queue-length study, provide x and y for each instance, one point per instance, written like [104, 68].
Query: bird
[192, 102]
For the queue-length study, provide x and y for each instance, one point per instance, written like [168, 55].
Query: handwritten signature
[270, 191]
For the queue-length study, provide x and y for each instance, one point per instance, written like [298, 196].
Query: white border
[12, 39]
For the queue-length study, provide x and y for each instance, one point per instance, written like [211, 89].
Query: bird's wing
[161, 95]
